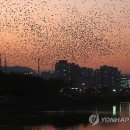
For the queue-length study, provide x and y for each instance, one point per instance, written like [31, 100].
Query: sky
[90, 33]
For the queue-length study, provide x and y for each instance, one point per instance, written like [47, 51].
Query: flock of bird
[86, 32]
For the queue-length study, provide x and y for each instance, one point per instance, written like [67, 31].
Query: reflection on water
[65, 120]
[125, 126]
[124, 109]
[114, 112]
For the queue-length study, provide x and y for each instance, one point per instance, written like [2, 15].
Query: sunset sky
[90, 33]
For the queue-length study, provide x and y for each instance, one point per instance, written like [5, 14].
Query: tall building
[109, 77]
[86, 77]
[129, 82]
[96, 78]
[104, 77]
[125, 82]
[74, 74]
[62, 70]
[69, 72]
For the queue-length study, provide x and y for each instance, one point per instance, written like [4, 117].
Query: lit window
[114, 90]
[83, 84]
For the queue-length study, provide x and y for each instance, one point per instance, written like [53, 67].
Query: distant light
[83, 84]
[124, 78]
[114, 90]
[74, 88]
[114, 110]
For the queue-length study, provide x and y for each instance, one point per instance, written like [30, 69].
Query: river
[108, 117]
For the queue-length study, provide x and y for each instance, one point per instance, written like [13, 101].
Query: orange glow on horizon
[88, 33]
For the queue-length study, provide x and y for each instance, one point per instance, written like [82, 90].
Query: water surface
[64, 120]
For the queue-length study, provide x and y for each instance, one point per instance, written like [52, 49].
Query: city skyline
[17, 68]
[88, 33]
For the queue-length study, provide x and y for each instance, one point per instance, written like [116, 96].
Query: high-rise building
[104, 77]
[96, 78]
[69, 72]
[62, 71]
[74, 74]
[125, 82]
[110, 77]
[86, 77]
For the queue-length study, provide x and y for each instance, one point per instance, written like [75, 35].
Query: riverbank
[34, 92]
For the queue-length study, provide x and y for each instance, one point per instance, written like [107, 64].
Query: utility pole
[0, 62]
[5, 64]
[38, 66]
